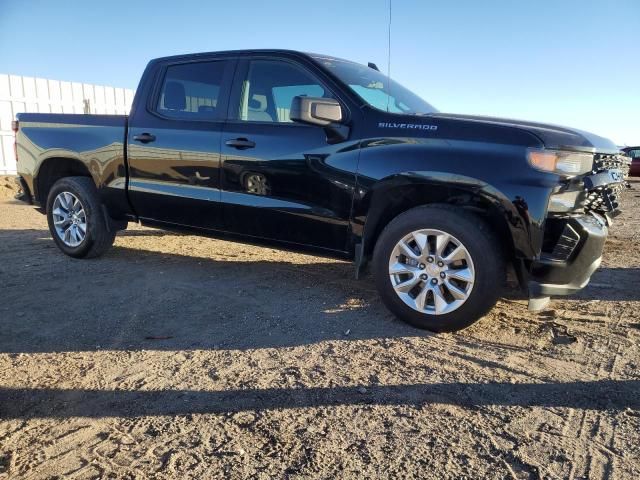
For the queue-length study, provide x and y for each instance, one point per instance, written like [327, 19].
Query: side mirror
[315, 111]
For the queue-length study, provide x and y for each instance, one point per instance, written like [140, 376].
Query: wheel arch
[53, 169]
[394, 195]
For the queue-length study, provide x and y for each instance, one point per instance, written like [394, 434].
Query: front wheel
[439, 268]
[76, 220]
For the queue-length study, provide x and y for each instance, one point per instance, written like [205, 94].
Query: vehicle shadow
[146, 233]
[133, 299]
[26, 403]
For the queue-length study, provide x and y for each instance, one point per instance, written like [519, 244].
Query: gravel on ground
[177, 356]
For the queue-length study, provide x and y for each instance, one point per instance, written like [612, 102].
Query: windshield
[376, 89]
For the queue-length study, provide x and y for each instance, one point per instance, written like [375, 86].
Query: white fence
[39, 95]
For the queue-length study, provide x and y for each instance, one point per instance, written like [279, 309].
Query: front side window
[376, 89]
[270, 87]
[190, 91]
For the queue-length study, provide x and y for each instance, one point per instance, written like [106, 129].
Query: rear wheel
[76, 220]
[438, 267]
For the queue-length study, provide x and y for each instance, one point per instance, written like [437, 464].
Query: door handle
[240, 143]
[144, 138]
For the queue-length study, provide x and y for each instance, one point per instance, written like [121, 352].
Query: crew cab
[313, 152]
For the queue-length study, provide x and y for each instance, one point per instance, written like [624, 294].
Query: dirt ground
[176, 356]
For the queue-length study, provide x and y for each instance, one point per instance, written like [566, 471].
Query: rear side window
[190, 91]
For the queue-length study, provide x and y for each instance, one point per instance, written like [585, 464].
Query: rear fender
[59, 164]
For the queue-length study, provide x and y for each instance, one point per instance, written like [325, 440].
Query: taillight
[15, 126]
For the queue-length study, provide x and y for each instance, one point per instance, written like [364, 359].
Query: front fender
[463, 173]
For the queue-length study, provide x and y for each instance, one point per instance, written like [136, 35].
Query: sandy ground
[175, 356]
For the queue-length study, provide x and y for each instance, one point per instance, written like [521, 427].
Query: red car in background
[634, 153]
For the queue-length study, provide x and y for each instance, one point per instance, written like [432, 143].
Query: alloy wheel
[69, 219]
[431, 271]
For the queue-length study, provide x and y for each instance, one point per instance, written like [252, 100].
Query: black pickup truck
[313, 152]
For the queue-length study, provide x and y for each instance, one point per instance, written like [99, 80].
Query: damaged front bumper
[574, 241]
[576, 254]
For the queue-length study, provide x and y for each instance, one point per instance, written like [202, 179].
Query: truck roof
[279, 51]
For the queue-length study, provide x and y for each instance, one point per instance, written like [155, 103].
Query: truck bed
[97, 142]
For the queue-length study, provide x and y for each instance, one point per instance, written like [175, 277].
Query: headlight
[558, 161]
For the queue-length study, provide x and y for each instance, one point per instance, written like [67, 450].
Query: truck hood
[553, 136]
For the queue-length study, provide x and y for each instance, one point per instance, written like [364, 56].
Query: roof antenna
[389, 58]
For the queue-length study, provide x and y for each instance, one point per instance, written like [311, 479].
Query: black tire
[477, 238]
[98, 238]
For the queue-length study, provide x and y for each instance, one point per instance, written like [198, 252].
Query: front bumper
[576, 254]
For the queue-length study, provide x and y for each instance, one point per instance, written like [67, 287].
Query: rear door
[174, 144]
[283, 180]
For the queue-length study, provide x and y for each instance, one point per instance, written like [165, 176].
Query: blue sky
[570, 62]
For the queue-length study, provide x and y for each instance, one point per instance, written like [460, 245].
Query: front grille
[612, 161]
[605, 198]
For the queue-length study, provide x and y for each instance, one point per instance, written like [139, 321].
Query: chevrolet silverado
[313, 152]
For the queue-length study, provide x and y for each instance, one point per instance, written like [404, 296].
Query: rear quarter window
[191, 91]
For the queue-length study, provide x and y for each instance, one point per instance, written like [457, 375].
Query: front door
[174, 145]
[283, 180]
